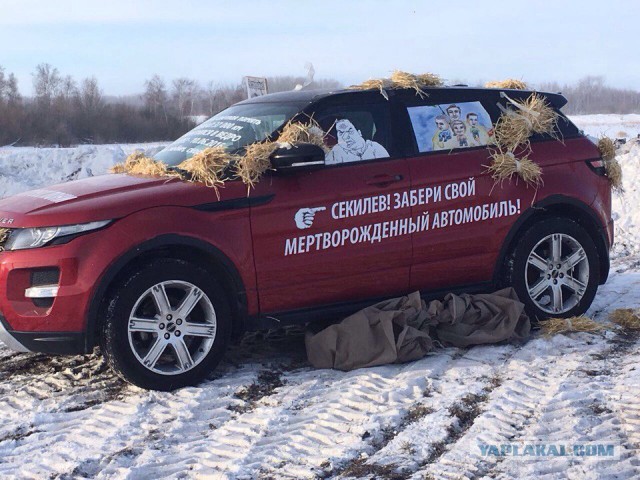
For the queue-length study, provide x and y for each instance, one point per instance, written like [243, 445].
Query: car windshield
[233, 128]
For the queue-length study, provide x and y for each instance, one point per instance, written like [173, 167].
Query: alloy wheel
[172, 327]
[557, 273]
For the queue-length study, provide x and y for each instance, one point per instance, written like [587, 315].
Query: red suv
[162, 273]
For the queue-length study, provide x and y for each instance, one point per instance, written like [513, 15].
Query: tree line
[63, 111]
[592, 95]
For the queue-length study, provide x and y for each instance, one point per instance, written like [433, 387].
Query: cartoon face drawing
[348, 136]
[442, 122]
[352, 146]
[454, 112]
[472, 118]
[459, 128]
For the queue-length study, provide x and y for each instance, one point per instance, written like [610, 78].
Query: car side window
[451, 126]
[354, 133]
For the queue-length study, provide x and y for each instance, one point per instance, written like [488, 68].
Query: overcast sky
[123, 42]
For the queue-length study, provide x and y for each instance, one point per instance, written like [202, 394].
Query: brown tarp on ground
[401, 329]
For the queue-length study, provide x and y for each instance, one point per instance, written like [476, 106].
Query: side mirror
[298, 156]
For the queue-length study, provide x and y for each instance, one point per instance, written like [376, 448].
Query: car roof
[308, 96]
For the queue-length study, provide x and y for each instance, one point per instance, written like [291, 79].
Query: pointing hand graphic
[304, 217]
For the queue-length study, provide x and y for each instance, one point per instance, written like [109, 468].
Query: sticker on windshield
[352, 146]
[449, 126]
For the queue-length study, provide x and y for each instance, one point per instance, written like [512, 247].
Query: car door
[329, 235]
[450, 185]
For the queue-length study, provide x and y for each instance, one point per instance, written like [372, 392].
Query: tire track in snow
[545, 387]
[352, 416]
[60, 400]
[623, 398]
[89, 435]
[158, 430]
[578, 412]
[186, 424]
[38, 384]
[533, 378]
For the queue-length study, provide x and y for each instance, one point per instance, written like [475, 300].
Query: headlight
[22, 238]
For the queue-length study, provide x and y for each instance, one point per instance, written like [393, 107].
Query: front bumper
[57, 324]
[66, 343]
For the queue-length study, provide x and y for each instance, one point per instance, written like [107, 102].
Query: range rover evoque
[163, 273]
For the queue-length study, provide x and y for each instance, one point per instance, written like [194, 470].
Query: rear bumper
[605, 263]
[63, 343]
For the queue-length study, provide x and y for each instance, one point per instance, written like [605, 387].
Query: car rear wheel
[555, 269]
[167, 325]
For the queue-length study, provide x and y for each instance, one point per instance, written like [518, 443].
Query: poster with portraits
[450, 126]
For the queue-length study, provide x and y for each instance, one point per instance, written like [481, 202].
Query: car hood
[105, 197]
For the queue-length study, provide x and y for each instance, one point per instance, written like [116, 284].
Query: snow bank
[26, 168]
[625, 207]
[611, 125]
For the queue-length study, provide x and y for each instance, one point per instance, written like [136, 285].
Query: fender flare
[543, 207]
[238, 304]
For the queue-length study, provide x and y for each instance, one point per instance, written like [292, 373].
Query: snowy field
[611, 125]
[266, 413]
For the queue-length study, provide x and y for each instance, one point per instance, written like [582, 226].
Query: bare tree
[46, 83]
[11, 91]
[216, 98]
[185, 94]
[155, 96]
[3, 84]
[90, 96]
[68, 88]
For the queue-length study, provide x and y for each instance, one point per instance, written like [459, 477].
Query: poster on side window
[450, 126]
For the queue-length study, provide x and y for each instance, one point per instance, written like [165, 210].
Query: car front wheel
[555, 269]
[166, 326]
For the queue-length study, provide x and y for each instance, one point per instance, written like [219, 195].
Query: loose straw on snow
[627, 318]
[555, 326]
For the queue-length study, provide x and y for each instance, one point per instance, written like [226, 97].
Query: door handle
[384, 180]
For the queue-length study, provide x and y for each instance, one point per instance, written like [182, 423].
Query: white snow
[626, 207]
[611, 125]
[26, 168]
[70, 417]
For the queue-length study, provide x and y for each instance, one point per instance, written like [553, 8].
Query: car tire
[554, 269]
[167, 325]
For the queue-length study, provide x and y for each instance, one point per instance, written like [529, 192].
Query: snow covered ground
[265, 413]
[611, 125]
[26, 168]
